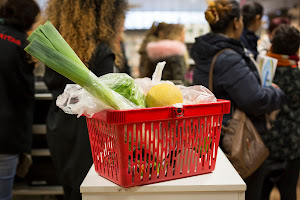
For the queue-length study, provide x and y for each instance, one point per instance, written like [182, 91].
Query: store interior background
[190, 13]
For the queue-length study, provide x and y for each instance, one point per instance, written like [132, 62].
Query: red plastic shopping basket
[150, 145]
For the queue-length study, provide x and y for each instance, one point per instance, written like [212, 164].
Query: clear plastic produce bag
[76, 100]
[196, 94]
[191, 95]
[123, 89]
[129, 93]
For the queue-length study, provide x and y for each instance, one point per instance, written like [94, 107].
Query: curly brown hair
[86, 24]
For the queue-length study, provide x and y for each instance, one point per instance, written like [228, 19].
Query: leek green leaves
[47, 45]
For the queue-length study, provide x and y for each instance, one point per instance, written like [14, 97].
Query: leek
[38, 35]
[65, 63]
[58, 62]
[34, 33]
[59, 42]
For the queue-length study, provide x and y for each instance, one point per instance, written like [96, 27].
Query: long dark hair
[220, 13]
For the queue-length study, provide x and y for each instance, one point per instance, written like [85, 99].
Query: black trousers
[70, 149]
[282, 174]
[255, 184]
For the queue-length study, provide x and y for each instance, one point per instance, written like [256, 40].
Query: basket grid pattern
[148, 152]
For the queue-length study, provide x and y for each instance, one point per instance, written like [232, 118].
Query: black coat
[283, 139]
[17, 92]
[249, 40]
[235, 78]
[67, 135]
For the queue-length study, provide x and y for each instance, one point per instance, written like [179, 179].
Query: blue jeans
[8, 165]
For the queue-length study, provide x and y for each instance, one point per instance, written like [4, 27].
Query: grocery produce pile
[118, 91]
[111, 91]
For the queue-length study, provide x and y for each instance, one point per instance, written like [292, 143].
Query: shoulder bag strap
[211, 71]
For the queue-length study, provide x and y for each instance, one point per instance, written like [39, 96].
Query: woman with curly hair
[16, 88]
[92, 29]
[234, 74]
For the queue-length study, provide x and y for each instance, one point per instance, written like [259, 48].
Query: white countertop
[223, 178]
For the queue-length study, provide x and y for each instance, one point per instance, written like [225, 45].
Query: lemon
[164, 94]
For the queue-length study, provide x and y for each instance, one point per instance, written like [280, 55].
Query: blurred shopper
[122, 66]
[92, 29]
[283, 139]
[252, 15]
[125, 68]
[164, 42]
[16, 88]
[264, 43]
[234, 76]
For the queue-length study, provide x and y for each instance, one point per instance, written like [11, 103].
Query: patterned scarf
[285, 60]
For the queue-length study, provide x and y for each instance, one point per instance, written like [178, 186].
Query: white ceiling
[195, 5]
[199, 5]
[167, 5]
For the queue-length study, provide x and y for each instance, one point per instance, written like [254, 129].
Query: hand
[275, 85]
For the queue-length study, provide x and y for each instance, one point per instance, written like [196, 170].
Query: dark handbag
[241, 142]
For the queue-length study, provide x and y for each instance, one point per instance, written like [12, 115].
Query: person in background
[125, 67]
[164, 42]
[283, 140]
[264, 43]
[122, 66]
[252, 15]
[235, 76]
[16, 88]
[92, 29]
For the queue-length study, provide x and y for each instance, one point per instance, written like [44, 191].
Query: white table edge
[189, 184]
